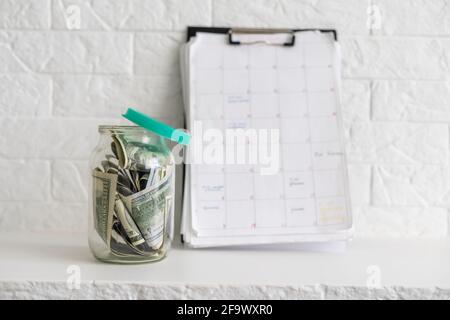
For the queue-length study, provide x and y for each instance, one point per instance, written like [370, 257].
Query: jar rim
[118, 128]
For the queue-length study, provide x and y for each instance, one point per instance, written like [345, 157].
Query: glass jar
[132, 200]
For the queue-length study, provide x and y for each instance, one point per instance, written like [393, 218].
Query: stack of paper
[266, 161]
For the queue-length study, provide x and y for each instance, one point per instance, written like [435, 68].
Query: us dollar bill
[148, 208]
[135, 155]
[104, 191]
[118, 148]
[132, 232]
[120, 244]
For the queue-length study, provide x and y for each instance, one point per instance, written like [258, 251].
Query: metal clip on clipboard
[236, 31]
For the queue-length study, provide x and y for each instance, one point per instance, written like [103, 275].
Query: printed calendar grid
[279, 119]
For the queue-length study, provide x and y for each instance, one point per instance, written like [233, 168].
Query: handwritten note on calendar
[291, 90]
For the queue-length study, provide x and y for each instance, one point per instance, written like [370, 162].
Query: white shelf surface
[35, 266]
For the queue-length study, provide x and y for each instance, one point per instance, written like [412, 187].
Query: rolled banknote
[132, 232]
[104, 190]
[148, 210]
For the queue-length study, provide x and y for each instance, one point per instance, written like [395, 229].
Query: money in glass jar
[133, 181]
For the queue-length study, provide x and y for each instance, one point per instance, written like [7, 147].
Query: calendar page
[268, 164]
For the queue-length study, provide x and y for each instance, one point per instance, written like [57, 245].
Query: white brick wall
[59, 80]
